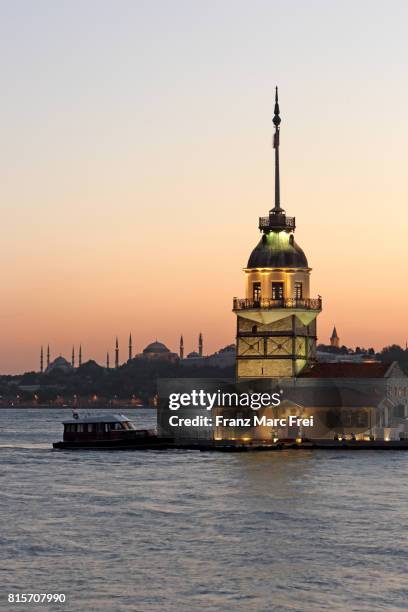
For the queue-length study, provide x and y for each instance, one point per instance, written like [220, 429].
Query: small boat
[108, 431]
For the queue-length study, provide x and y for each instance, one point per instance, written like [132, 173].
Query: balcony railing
[269, 303]
[277, 221]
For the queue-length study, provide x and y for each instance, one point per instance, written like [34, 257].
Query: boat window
[128, 425]
[90, 427]
[80, 428]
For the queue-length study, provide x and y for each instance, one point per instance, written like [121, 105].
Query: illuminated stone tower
[276, 321]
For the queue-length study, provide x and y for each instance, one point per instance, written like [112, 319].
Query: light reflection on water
[291, 530]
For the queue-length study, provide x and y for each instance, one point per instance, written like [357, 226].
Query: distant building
[223, 358]
[158, 351]
[334, 339]
[336, 357]
[59, 364]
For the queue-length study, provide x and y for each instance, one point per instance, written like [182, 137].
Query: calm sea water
[186, 531]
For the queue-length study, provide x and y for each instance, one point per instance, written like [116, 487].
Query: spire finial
[276, 121]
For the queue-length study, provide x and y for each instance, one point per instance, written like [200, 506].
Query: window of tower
[256, 292]
[298, 290]
[277, 291]
[254, 329]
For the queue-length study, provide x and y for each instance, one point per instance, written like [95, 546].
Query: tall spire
[107, 360]
[42, 360]
[200, 344]
[80, 356]
[73, 357]
[181, 347]
[277, 220]
[117, 353]
[130, 347]
[48, 355]
[276, 121]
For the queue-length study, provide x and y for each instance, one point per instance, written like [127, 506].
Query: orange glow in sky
[135, 164]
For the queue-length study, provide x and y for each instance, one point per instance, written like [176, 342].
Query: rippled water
[132, 530]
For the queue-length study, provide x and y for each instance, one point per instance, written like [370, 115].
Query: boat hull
[135, 444]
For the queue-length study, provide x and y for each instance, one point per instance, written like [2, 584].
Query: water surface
[186, 531]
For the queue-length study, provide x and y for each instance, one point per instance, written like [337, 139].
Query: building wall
[268, 275]
[278, 349]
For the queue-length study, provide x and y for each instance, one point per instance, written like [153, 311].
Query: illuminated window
[256, 291]
[298, 290]
[277, 291]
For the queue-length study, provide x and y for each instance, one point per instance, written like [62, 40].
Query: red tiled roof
[347, 370]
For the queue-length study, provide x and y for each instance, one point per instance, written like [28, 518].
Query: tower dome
[277, 250]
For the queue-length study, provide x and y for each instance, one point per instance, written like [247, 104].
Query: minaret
[130, 347]
[181, 347]
[107, 361]
[73, 357]
[276, 321]
[334, 339]
[200, 344]
[80, 356]
[117, 353]
[48, 355]
[41, 360]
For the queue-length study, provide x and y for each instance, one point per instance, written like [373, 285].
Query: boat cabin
[101, 427]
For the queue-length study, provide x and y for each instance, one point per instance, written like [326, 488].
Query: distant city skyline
[136, 159]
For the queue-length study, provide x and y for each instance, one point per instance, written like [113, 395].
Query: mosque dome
[61, 364]
[277, 250]
[193, 355]
[156, 347]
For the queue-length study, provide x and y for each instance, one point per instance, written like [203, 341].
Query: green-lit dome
[277, 250]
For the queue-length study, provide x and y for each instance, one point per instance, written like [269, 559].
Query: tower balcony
[313, 304]
[277, 221]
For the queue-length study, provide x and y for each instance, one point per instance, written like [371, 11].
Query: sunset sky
[136, 158]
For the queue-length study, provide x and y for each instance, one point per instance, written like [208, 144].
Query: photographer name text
[252, 421]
